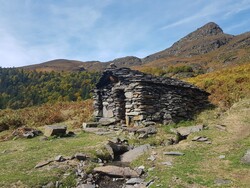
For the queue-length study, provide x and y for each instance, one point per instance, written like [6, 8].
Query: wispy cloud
[211, 10]
[237, 7]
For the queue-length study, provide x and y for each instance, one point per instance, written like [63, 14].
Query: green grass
[21, 156]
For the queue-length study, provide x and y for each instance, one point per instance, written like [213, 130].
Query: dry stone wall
[135, 97]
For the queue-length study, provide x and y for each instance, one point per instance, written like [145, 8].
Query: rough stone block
[89, 124]
[51, 130]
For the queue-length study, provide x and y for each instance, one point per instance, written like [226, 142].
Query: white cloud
[15, 53]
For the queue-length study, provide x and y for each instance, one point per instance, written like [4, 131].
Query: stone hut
[134, 97]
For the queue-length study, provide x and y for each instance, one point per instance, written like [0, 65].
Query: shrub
[179, 69]
[11, 122]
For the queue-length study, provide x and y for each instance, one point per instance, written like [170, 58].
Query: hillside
[210, 157]
[216, 163]
[22, 88]
[206, 49]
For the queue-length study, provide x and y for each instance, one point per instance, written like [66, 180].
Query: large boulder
[117, 171]
[134, 153]
[55, 130]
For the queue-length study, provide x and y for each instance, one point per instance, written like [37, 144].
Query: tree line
[20, 88]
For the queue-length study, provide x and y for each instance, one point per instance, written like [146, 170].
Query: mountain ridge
[204, 46]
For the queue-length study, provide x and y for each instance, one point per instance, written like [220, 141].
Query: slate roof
[126, 75]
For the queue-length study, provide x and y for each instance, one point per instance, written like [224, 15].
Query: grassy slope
[201, 166]
[20, 157]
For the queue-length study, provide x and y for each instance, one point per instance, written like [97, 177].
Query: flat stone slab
[107, 121]
[221, 182]
[89, 124]
[200, 139]
[134, 153]
[246, 158]
[167, 163]
[95, 130]
[185, 131]
[86, 186]
[175, 153]
[147, 130]
[42, 163]
[58, 130]
[117, 171]
[133, 181]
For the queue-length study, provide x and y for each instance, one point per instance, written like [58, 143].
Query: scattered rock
[26, 132]
[133, 181]
[28, 135]
[59, 158]
[221, 127]
[200, 139]
[143, 136]
[49, 185]
[175, 153]
[107, 121]
[222, 157]
[147, 130]
[151, 169]
[220, 181]
[116, 149]
[167, 163]
[70, 133]
[51, 130]
[152, 158]
[86, 186]
[43, 163]
[208, 142]
[140, 170]
[116, 171]
[149, 183]
[80, 156]
[90, 125]
[148, 123]
[185, 131]
[134, 153]
[246, 158]
[98, 131]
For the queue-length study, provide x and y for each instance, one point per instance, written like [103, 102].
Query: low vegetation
[71, 113]
[161, 71]
[226, 86]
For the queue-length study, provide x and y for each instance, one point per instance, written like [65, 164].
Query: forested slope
[19, 88]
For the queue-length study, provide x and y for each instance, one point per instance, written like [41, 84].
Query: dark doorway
[120, 97]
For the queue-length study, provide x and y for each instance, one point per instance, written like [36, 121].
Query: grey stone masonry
[136, 97]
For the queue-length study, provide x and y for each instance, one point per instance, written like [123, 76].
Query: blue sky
[34, 31]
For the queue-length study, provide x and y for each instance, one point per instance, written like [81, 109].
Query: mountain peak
[209, 29]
